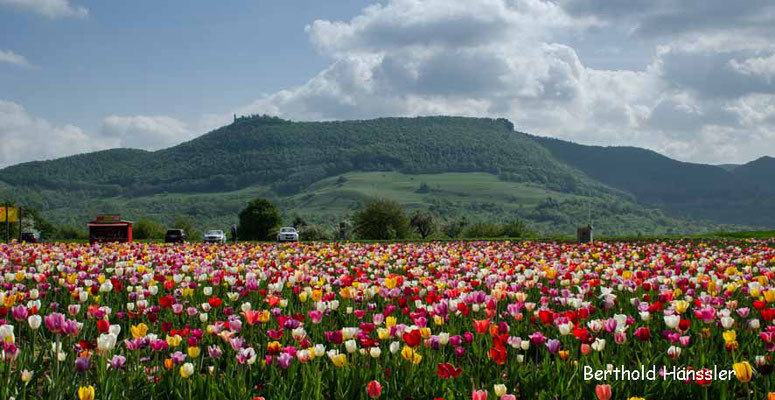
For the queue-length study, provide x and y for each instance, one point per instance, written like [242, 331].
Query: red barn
[109, 228]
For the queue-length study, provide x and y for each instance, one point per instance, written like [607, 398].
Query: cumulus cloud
[48, 8]
[513, 58]
[9, 57]
[145, 132]
[25, 137]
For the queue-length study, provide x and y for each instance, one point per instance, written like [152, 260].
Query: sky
[691, 79]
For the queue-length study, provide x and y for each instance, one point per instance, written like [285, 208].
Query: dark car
[30, 237]
[175, 236]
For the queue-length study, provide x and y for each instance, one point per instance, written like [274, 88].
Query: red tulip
[603, 392]
[643, 333]
[447, 370]
[374, 389]
[481, 325]
[498, 355]
[166, 301]
[412, 338]
[103, 326]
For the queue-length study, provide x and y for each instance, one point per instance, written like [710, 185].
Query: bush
[381, 219]
[185, 223]
[149, 229]
[258, 220]
[72, 232]
[516, 229]
[313, 232]
[482, 230]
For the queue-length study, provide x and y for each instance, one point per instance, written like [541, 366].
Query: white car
[288, 234]
[215, 236]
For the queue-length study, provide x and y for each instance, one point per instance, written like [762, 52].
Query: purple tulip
[214, 351]
[54, 322]
[117, 362]
[553, 345]
[237, 343]
[19, 313]
[178, 357]
[537, 338]
[284, 360]
[81, 364]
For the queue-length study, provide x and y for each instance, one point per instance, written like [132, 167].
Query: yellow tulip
[340, 360]
[769, 295]
[410, 355]
[86, 393]
[390, 321]
[194, 352]
[730, 336]
[174, 341]
[681, 306]
[743, 371]
[139, 331]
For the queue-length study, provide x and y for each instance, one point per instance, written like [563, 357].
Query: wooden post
[21, 216]
[7, 224]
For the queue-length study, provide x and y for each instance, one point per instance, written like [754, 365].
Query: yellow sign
[13, 214]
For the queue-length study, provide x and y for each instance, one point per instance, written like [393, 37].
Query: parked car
[288, 234]
[215, 236]
[175, 236]
[30, 237]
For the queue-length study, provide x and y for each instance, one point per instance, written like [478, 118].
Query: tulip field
[450, 320]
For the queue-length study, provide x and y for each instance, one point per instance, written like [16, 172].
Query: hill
[474, 168]
[740, 195]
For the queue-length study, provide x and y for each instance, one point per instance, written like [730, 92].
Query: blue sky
[694, 79]
[147, 57]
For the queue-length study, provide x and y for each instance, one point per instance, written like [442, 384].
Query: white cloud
[9, 57]
[758, 66]
[511, 58]
[145, 132]
[25, 137]
[48, 8]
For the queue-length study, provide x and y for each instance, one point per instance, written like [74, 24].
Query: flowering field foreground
[494, 320]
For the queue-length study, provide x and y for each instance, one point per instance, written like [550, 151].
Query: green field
[474, 196]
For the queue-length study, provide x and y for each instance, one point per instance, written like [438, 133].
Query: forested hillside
[305, 167]
[742, 195]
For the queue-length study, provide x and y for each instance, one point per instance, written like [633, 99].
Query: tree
[149, 229]
[381, 219]
[455, 227]
[258, 220]
[298, 222]
[423, 223]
